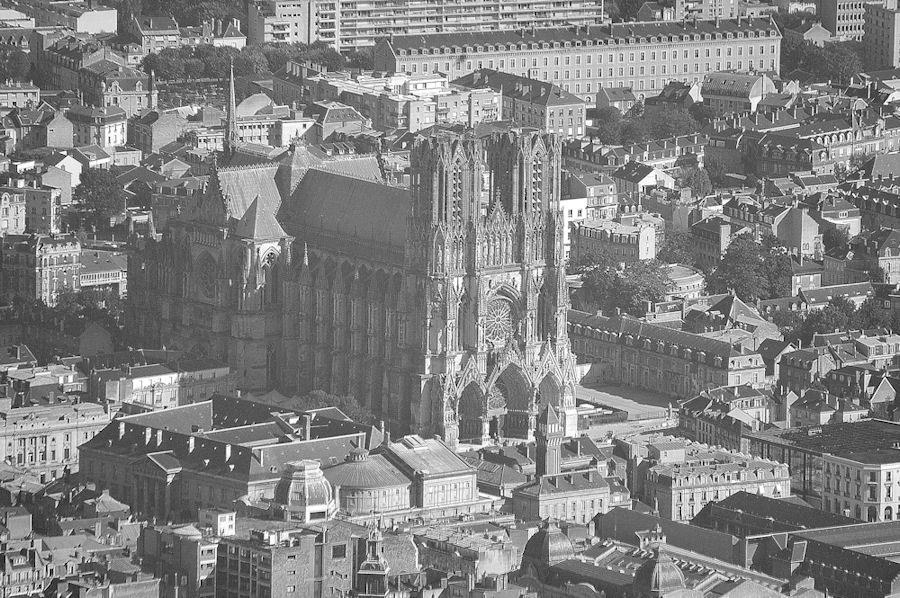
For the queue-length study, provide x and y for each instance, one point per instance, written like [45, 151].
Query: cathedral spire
[231, 136]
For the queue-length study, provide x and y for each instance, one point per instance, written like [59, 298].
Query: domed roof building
[367, 484]
[547, 547]
[658, 576]
[304, 494]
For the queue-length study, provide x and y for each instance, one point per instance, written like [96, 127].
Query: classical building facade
[453, 322]
[582, 60]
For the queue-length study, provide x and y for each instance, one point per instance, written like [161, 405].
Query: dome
[305, 493]
[548, 546]
[258, 103]
[360, 470]
[187, 531]
[658, 576]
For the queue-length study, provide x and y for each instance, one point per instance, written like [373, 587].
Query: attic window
[273, 469]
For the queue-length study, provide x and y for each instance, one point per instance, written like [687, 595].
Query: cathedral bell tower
[486, 282]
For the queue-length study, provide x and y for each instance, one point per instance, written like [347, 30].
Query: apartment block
[861, 484]
[14, 95]
[13, 210]
[882, 35]
[407, 102]
[681, 478]
[40, 267]
[581, 60]
[706, 9]
[661, 359]
[81, 16]
[45, 437]
[845, 19]
[358, 24]
[623, 242]
[532, 103]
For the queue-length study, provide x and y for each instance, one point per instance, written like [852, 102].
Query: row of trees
[753, 270]
[14, 65]
[839, 314]
[608, 289]
[645, 125]
[749, 269]
[206, 61]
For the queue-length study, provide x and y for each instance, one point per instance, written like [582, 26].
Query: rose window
[498, 323]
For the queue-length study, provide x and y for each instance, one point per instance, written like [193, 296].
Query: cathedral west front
[442, 306]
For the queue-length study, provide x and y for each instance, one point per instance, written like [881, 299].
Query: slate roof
[351, 207]
[524, 89]
[563, 483]
[730, 84]
[372, 471]
[259, 224]
[786, 515]
[823, 295]
[625, 326]
[596, 34]
[241, 186]
[633, 172]
[427, 455]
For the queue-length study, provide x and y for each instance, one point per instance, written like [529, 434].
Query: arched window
[270, 280]
[888, 513]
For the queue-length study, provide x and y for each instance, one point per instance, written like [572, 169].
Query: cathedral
[442, 306]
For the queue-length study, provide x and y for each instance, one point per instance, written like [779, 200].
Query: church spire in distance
[231, 136]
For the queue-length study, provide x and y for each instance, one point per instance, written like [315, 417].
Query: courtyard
[640, 404]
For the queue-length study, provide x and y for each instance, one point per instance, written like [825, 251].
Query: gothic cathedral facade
[452, 322]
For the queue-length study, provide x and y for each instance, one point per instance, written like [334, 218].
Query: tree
[740, 270]
[99, 196]
[835, 238]
[349, 405]
[833, 317]
[715, 168]
[608, 123]
[876, 274]
[598, 275]
[166, 65]
[871, 315]
[606, 287]
[14, 64]
[776, 267]
[788, 321]
[698, 180]
[638, 284]
[678, 248]
[363, 59]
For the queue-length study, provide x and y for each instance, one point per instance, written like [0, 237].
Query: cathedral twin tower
[453, 323]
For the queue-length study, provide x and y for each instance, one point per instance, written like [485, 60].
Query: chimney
[306, 419]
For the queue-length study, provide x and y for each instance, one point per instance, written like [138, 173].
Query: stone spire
[231, 136]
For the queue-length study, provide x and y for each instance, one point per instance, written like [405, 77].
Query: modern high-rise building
[881, 41]
[355, 24]
[845, 19]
